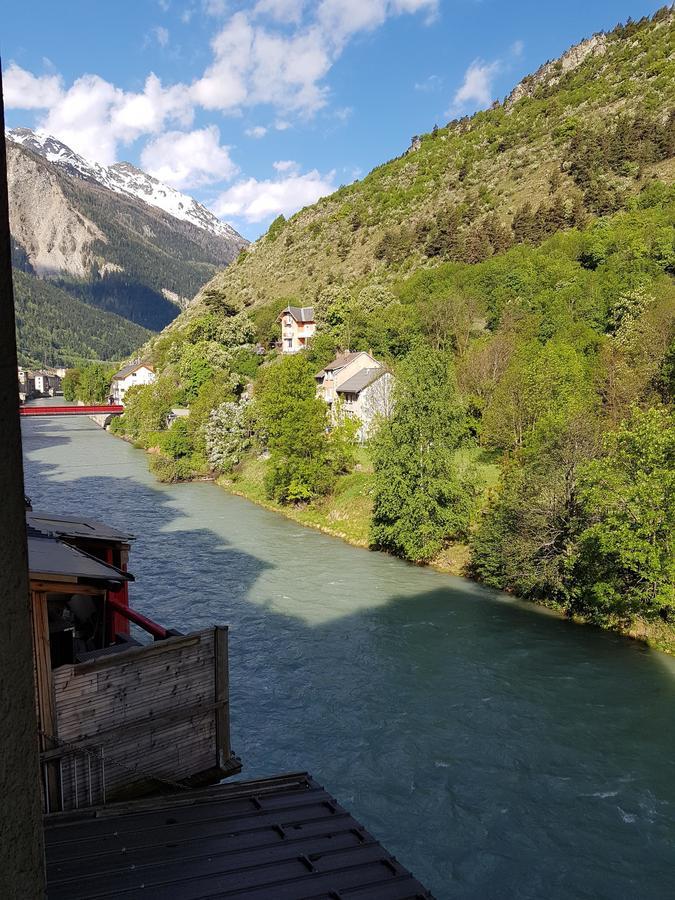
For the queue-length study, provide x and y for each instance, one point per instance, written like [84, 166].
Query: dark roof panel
[48, 556]
[63, 526]
[284, 838]
[361, 380]
[299, 313]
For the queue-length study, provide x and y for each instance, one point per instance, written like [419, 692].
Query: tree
[227, 436]
[526, 539]
[291, 421]
[71, 384]
[626, 558]
[419, 500]
[94, 384]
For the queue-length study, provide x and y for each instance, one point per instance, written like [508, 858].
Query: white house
[130, 376]
[357, 385]
[297, 327]
[47, 383]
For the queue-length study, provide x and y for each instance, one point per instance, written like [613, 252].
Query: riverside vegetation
[516, 272]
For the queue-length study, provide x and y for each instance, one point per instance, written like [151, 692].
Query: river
[496, 750]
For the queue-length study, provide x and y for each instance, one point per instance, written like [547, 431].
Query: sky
[259, 108]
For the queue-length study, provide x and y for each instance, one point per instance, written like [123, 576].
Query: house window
[289, 342]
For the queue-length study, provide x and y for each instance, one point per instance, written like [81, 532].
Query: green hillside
[577, 137]
[54, 328]
[516, 272]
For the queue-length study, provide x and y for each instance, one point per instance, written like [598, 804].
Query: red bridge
[108, 410]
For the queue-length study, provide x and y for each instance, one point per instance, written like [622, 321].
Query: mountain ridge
[124, 178]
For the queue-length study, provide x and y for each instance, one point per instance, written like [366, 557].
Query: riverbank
[346, 514]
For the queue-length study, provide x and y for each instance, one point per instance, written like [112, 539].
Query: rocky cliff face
[55, 237]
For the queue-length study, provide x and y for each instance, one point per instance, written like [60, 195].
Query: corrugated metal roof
[48, 556]
[127, 370]
[282, 838]
[64, 526]
[362, 379]
[299, 313]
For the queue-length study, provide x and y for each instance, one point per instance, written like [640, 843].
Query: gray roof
[48, 556]
[340, 361]
[62, 526]
[361, 380]
[127, 370]
[279, 838]
[299, 313]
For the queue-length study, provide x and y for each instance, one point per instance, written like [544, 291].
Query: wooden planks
[158, 712]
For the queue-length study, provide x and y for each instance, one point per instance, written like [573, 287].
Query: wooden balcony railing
[159, 714]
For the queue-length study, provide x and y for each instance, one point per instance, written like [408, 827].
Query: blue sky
[261, 107]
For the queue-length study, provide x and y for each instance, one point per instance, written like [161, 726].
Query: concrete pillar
[21, 840]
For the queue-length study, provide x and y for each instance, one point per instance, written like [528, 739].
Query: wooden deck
[282, 838]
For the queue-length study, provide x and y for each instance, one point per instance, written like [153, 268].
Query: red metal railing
[108, 410]
[157, 631]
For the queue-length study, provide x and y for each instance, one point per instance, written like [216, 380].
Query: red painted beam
[137, 618]
[108, 410]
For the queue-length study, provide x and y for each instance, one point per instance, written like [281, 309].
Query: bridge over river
[497, 750]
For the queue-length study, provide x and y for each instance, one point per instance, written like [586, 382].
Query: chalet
[297, 327]
[130, 376]
[357, 385]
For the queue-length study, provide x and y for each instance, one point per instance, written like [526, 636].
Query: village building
[297, 327]
[47, 383]
[130, 376]
[356, 385]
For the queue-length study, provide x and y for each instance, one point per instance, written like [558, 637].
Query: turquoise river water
[496, 750]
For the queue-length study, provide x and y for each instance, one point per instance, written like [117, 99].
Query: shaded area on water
[498, 751]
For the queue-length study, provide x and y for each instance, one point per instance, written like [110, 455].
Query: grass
[346, 512]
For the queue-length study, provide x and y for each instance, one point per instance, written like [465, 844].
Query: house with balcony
[130, 376]
[297, 328]
[357, 385]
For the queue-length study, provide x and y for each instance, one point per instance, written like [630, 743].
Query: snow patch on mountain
[123, 178]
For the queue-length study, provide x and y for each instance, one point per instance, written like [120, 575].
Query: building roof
[62, 526]
[48, 556]
[132, 367]
[360, 380]
[342, 360]
[283, 838]
[299, 313]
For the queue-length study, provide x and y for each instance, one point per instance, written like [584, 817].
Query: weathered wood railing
[159, 713]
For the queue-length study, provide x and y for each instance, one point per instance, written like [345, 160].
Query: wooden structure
[281, 838]
[118, 716]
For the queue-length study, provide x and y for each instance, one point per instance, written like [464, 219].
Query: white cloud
[278, 55]
[517, 48]
[94, 117]
[188, 159]
[256, 131]
[161, 35]
[258, 201]
[476, 89]
[286, 165]
[23, 90]
[288, 11]
[215, 7]
[429, 85]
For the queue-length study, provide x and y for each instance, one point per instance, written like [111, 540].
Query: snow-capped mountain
[123, 178]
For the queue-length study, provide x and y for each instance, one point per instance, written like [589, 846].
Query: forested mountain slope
[55, 329]
[576, 138]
